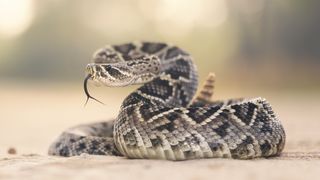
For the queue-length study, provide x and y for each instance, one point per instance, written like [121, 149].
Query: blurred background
[268, 48]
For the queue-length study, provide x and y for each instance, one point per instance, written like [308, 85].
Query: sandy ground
[30, 121]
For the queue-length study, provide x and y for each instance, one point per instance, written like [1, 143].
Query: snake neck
[175, 85]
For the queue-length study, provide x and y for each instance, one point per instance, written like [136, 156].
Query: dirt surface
[32, 118]
[289, 166]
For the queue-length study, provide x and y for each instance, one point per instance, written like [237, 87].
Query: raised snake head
[124, 73]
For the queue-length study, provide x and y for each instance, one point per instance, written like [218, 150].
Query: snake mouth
[85, 87]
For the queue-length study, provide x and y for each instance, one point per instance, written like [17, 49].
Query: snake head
[125, 73]
[109, 74]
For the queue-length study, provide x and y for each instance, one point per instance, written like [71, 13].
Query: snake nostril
[89, 69]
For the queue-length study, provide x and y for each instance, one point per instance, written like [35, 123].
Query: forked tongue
[85, 87]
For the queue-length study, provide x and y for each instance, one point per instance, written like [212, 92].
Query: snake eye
[108, 67]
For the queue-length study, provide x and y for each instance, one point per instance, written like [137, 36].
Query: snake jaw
[85, 87]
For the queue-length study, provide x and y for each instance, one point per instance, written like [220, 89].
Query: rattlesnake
[162, 120]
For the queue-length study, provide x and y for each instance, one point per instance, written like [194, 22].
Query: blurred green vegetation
[263, 43]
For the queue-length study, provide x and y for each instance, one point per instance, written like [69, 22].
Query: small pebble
[12, 151]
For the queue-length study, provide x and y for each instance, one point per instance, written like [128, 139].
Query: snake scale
[162, 119]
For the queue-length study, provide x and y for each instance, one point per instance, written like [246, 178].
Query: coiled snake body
[162, 120]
